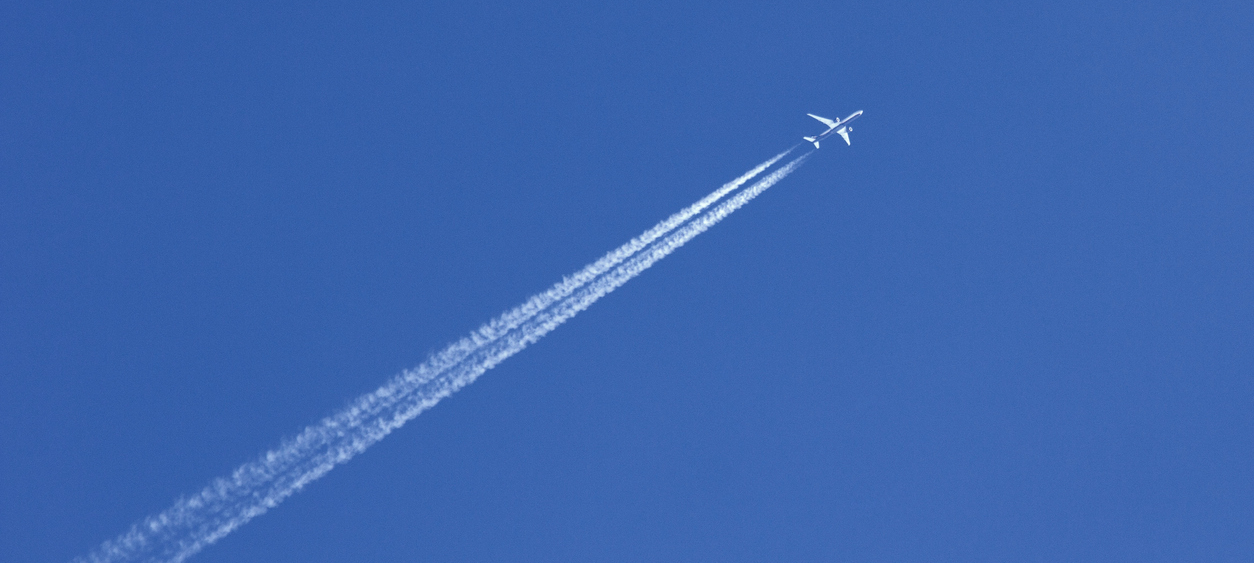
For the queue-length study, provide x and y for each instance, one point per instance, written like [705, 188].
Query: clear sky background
[1012, 322]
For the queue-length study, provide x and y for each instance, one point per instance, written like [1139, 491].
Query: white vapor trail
[229, 502]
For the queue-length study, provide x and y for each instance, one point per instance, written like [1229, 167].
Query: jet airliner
[838, 127]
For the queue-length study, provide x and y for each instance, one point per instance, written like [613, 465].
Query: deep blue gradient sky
[1012, 322]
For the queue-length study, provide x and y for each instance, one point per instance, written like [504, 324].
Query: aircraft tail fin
[811, 139]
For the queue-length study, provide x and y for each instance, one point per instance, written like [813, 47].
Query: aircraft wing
[829, 123]
[844, 133]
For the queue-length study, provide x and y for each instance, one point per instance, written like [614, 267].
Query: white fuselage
[839, 125]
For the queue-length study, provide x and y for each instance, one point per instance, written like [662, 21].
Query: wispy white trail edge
[195, 522]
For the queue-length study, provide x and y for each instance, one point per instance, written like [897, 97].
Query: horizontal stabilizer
[812, 140]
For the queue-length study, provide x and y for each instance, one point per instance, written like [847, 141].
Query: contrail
[195, 522]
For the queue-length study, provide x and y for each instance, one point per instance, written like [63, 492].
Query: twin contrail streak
[229, 502]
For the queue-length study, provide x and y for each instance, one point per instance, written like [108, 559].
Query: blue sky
[1011, 322]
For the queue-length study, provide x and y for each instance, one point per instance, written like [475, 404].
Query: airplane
[838, 127]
